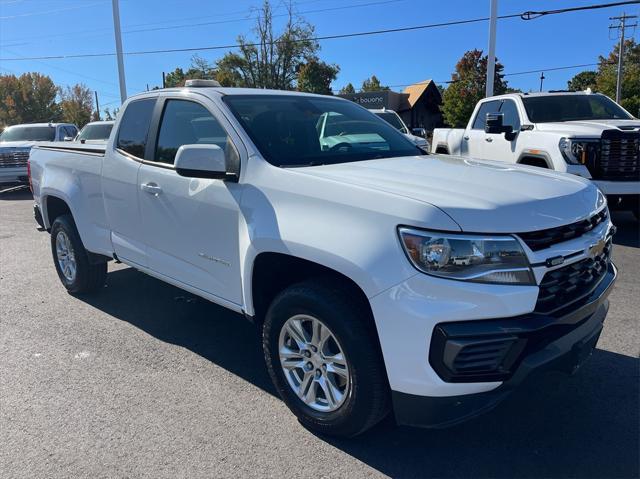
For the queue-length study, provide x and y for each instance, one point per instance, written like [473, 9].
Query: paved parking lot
[144, 380]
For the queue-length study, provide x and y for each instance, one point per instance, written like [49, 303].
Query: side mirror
[67, 138]
[494, 123]
[419, 132]
[202, 161]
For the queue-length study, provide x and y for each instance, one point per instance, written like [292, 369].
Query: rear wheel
[324, 359]
[71, 259]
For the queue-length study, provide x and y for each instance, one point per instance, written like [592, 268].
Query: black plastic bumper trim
[565, 354]
[533, 332]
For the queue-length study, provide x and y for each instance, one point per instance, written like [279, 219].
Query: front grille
[537, 240]
[13, 159]
[619, 156]
[570, 283]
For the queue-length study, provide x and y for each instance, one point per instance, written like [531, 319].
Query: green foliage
[372, 84]
[316, 76]
[607, 75]
[76, 104]
[200, 69]
[29, 98]
[582, 81]
[468, 87]
[348, 89]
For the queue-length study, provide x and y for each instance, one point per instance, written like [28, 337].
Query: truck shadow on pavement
[583, 426]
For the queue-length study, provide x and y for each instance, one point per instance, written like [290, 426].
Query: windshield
[29, 133]
[558, 108]
[307, 131]
[394, 120]
[95, 132]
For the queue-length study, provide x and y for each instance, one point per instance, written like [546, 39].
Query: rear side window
[189, 123]
[481, 117]
[134, 127]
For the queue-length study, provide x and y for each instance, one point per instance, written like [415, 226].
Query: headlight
[577, 151]
[481, 258]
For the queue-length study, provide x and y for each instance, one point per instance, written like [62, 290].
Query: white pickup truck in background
[16, 142]
[583, 133]
[382, 278]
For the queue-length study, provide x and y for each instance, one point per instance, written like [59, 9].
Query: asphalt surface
[144, 380]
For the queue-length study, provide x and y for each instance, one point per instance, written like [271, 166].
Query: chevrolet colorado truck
[382, 278]
[16, 143]
[583, 133]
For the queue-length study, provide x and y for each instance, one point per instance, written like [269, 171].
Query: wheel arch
[272, 272]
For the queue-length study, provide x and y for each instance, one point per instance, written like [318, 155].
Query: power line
[325, 37]
[49, 12]
[92, 32]
[532, 15]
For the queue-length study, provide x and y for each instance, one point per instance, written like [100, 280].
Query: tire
[365, 398]
[87, 277]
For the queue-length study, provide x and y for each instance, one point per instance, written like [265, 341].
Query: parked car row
[582, 133]
[382, 278]
[16, 143]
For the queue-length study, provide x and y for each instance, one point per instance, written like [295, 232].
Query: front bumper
[545, 343]
[618, 187]
[14, 175]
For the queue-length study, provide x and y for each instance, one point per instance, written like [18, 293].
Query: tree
[76, 104]
[316, 76]
[111, 115]
[582, 81]
[607, 75]
[271, 60]
[348, 89]
[468, 87]
[29, 98]
[199, 69]
[372, 84]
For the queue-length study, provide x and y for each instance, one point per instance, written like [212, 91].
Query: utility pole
[491, 60]
[118, 34]
[164, 81]
[542, 77]
[622, 24]
[97, 105]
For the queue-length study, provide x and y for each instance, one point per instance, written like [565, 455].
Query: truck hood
[587, 127]
[17, 144]
[480, 196]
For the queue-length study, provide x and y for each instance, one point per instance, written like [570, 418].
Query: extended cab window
[134, 127]
[481, 117]
[188, 123]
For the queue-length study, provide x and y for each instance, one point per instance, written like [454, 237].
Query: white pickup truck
[16, 142]
[582, 133]
[381, 278]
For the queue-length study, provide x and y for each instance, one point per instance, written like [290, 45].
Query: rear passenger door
[191, 224]
[120, 181]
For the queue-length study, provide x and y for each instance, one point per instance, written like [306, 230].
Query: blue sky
[54, 27]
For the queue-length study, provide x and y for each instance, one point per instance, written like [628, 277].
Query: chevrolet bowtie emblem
[597, 249]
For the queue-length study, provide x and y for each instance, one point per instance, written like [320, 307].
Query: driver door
[191, 224]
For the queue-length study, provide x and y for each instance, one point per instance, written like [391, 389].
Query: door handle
[465, 138]
[488, 139]
[151, 188]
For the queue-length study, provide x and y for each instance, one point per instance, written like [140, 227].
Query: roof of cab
[229, 91]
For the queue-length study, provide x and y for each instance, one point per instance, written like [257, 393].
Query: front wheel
[324, 359]
[71, 259]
